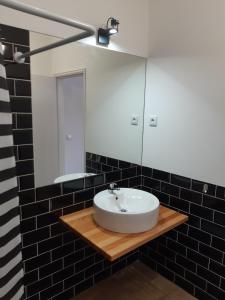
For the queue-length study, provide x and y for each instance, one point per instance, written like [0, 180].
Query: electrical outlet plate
[153, 121]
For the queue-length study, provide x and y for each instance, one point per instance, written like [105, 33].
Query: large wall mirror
[87, 105]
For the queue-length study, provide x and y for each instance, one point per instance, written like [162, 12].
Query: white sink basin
[134, 211]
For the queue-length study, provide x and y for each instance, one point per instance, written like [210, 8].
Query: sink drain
[123, 210]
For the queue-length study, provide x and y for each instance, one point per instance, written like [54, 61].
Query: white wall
[186, 90]
[131, 13]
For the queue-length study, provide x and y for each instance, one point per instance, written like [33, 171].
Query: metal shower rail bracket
[88, 29]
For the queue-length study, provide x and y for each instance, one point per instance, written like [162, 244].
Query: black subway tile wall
[192, 255]
[57, 264]
[19, 84]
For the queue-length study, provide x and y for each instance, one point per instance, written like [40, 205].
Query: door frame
[60, 114]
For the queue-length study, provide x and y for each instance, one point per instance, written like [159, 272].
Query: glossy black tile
[23, 88]
[181, 181]
[63, 250]
[27, 197]
[112, 176]
[84, 195]
[50, 268]
[38, 286]
[194, 221]
[36, 262]
[191, 196]
[130, 172]
[124, 164]
[34, 209]
[214, 203]
[220, 192]
[49, 244]
[215, 291]
[86, 284]
[20, 104]
[94, 180]
[161, 175]
[61, 201]
[84, 264]
[63, 274]
[146, 171]
[201, 211]
[74, 208]
[35, 236]
[28, 225]
[219, 218]
[177, 247]
[195, 279]
[152, 183]
[179, 204]
[218, 243]
[26, 182]
[68, 294]
[48, 191]
[186, 263]
[73, 258]
[30, 251]
[22, 136]
[15, 35]
[30, 277]
[25, 152]
[94, 269]
[217, 268]
[24, 121]
[48, 218]
[211, 252]
[208, 275]
[213, 228]
[197, 258]
[200, 294]
[135, 181]
[24, 167]
[112, 162]
[11, 86]
[18, 71]
[186, 285]
[187, 241]
[199, 235]
[52, 291]
[73, 186]
[175, 267]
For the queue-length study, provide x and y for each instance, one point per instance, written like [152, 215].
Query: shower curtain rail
[88, 30]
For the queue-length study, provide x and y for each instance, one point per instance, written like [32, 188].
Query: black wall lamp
[112, 27]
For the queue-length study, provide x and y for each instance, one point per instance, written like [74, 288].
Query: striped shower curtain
[11, 271]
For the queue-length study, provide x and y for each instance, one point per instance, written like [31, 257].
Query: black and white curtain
[11, 271]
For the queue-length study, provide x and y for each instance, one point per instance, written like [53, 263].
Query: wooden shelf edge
[83, 225]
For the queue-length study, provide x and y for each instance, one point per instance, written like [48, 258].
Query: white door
[71, 117]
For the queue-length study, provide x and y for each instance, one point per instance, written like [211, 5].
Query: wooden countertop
[112, 244]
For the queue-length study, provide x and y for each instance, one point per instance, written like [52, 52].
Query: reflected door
[71, 116]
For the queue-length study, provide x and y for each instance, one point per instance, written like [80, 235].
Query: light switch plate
[153, 121]
[134, 120]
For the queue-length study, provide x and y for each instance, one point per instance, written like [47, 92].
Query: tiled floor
[136, 282]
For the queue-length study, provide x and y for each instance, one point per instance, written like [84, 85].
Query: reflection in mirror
[87, 110]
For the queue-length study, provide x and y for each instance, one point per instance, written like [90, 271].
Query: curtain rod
[89, 30]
